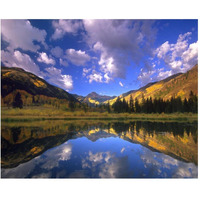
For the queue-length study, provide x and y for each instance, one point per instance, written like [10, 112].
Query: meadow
[45, 112]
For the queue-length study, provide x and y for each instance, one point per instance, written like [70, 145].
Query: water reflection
[61, 149]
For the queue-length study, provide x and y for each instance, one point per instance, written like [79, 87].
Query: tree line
[148, 105]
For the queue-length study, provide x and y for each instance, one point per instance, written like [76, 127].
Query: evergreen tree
[18, 103]
[124, 106]
[143, 106]
[150, 105]
[108, 107]
[131, 104]
[117, 106]
[193, 103]
[185, 106]
[179, 104]
[137, 106]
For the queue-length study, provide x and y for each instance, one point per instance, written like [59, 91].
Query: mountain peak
[93, 95]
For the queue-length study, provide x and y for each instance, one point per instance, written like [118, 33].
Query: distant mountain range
[93, 98]
[15, 80]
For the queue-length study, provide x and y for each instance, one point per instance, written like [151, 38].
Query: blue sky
[109, 57]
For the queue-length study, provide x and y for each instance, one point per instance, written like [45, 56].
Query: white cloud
[95, 76]
[176, 64]
[21, 60]
[56, 77]
[163, 75]
[21, 34]
[121, 84]
[107, 78]
[65, 26]
[163, 50]
[179, 57]
[57, 52]
[180, 46]
[63, 62]
[118, 42]
[86, 71]
[146, 76]
[79, 58]
[45, 59]
[190, 56]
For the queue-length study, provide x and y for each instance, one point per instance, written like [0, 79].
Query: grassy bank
[41, 113]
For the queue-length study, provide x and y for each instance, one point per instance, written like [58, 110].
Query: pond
[99, 149]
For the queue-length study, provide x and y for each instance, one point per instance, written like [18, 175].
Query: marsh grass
[42, 113]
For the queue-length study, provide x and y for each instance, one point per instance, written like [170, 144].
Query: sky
[109, 57]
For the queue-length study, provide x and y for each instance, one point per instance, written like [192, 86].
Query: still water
[99, 149]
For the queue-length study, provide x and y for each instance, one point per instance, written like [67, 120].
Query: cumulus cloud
[57, 52]
[190, 56]
[78, 58]
[162, 75]
[163, 50]
[65, 26]
[92, 75]
[121, 84]
[179, 57]
[56, 77]
[45, 59]
[107, 78]
[21, 60]
[21, 34]
[95, 76]
[118, 42]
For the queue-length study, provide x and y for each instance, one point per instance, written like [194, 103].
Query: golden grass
[51, 113]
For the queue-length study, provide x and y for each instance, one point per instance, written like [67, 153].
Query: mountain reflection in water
[99, 149]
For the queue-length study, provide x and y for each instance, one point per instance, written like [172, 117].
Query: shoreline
[103, 116]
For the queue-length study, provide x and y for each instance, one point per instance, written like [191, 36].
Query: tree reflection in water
[99, 149]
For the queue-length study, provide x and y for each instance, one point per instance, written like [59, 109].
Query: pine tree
[108, 107]
[18, 103]
[137, 106]
[185, 106]
[131, 104]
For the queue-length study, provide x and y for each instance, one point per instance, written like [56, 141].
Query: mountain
[93, 98]
[30, 87]
[78, 97]
[176, 85]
